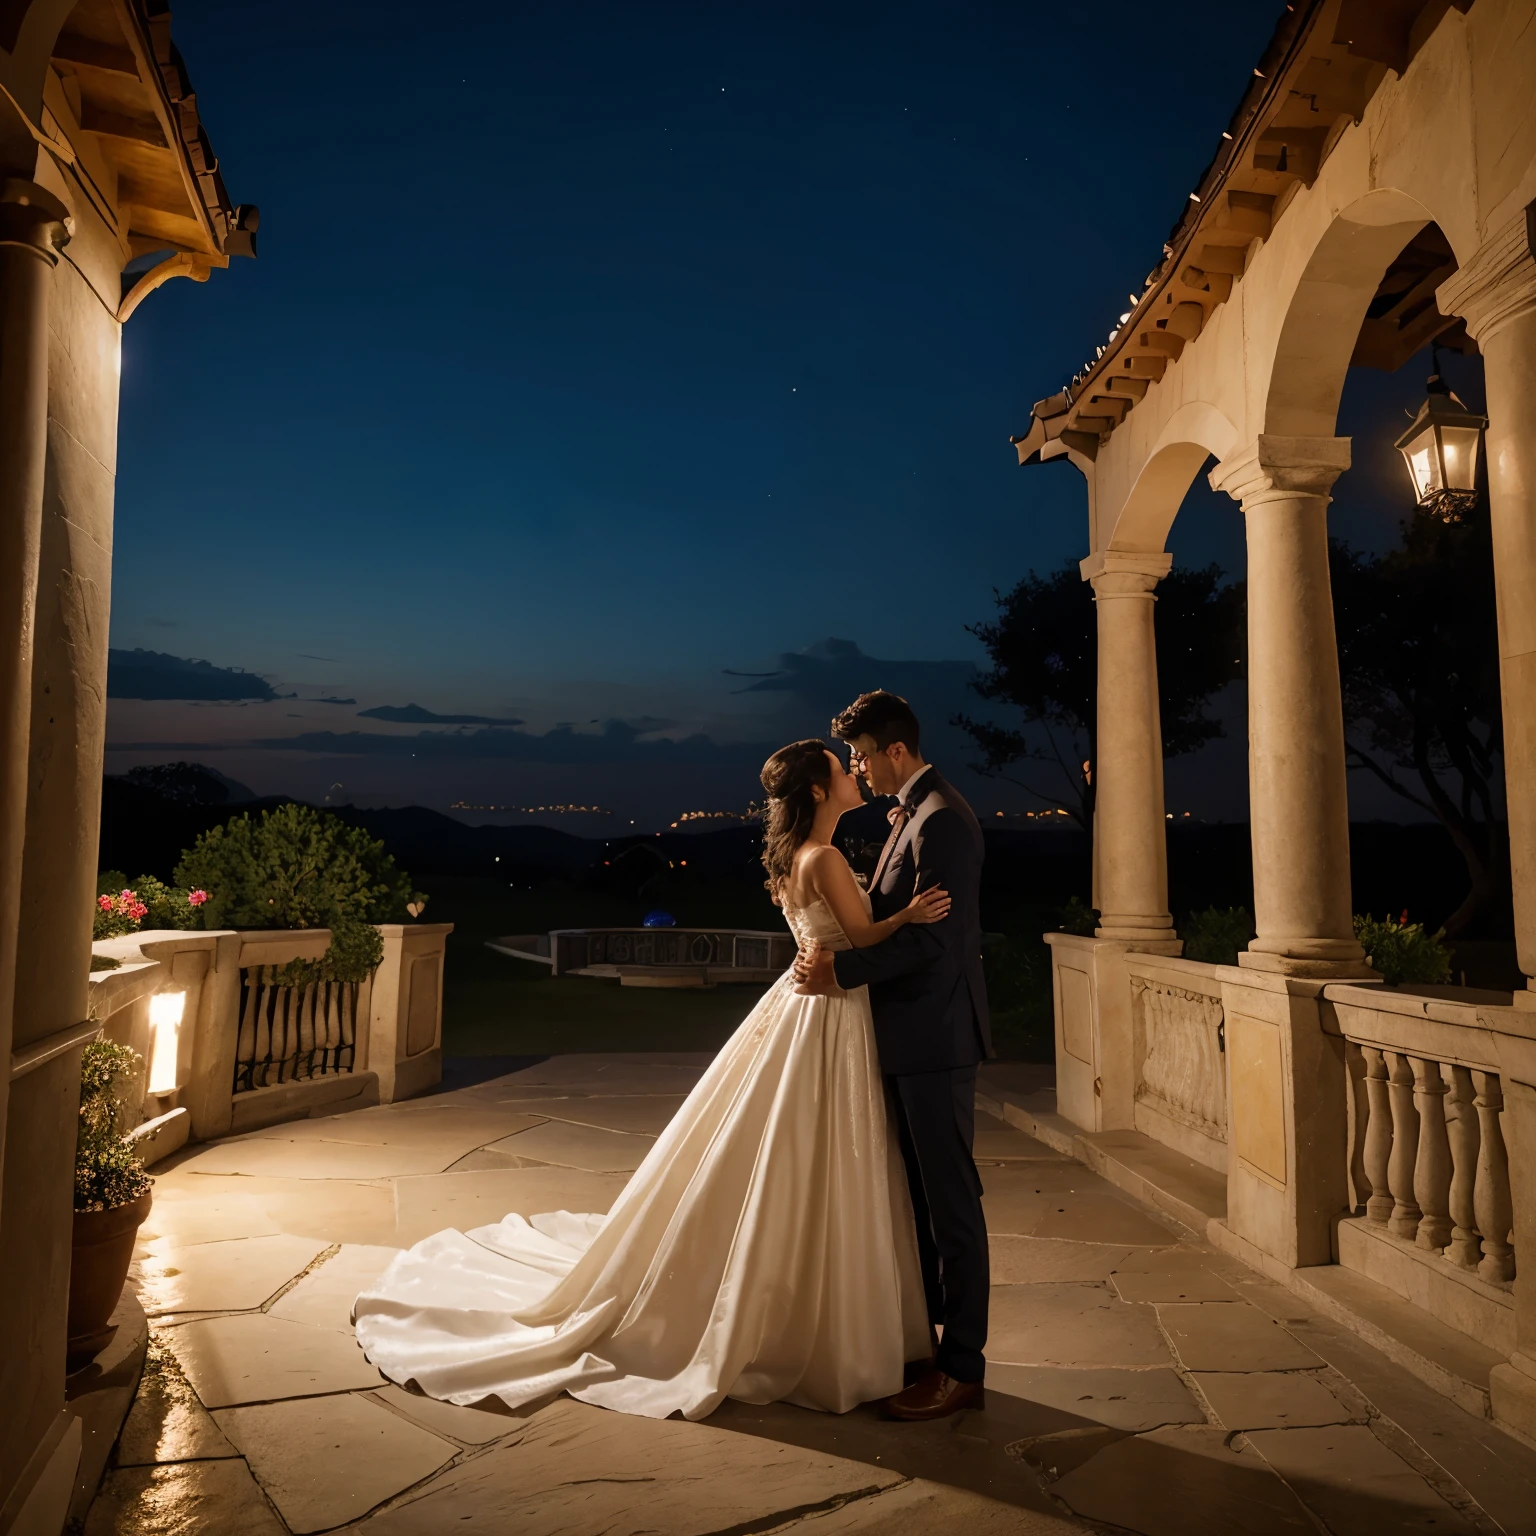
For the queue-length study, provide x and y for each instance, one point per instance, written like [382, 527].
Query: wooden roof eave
[159, 101]
[1239, 196]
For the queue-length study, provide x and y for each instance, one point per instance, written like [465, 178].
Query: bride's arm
[828, 874]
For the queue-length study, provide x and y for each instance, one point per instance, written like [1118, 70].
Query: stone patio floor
[1139, 1381]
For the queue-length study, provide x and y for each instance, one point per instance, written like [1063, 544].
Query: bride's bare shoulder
[818, 863]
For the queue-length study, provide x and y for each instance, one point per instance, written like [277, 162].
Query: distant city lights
[536, 810]
[715, 816]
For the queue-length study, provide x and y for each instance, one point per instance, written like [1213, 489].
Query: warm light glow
[165, 1010]
[1421, 464]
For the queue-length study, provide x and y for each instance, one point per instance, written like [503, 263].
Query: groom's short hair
[885, 716]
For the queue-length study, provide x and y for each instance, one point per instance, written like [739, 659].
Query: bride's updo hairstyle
[788, 777]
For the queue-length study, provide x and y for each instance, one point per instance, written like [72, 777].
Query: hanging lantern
[1440, 449]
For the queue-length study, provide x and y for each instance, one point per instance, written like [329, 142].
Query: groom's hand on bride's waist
[814, 976]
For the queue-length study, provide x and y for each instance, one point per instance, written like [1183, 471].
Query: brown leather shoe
[914, 1371]
[934, 1396]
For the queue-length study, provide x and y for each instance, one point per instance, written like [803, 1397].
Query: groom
[931, 1026]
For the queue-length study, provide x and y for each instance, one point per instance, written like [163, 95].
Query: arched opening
[1413, 599]
[1344, 300]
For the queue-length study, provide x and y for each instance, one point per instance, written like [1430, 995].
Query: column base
[1512, 1395]
[1525, 998]
[1315, 970]
[1158, 940]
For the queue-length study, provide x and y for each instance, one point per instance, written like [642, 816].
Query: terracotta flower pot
[99, 1260]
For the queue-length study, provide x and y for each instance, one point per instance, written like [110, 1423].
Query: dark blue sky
[593, 349]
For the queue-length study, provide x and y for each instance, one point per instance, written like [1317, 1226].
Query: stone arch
[29, 30]
[1193, 433]
[1328, 306]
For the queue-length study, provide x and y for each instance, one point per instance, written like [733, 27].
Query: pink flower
[197, 898]
[104, 902]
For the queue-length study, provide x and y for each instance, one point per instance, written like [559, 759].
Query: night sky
[594, 350]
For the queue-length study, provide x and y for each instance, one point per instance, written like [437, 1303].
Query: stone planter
[99, 1260]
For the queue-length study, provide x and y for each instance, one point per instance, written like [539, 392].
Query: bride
[764, 1250]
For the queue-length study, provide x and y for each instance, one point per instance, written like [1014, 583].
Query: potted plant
[112, 1198]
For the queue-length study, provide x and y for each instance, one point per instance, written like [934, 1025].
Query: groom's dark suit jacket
[925, 982]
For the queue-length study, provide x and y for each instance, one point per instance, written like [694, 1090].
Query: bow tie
[898, 813]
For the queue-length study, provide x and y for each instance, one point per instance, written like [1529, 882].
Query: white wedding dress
[764, 1250]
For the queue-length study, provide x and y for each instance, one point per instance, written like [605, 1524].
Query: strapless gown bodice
[815, 922]
[763, 1250]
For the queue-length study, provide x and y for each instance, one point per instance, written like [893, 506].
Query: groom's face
[883, 775]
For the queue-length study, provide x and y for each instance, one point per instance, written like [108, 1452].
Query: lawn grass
[494, 1005]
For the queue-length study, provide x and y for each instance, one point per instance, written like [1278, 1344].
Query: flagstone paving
[1138, 1379]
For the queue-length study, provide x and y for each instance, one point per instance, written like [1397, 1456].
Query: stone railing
[1180, 1055]
[1432, 1204]
[228, 1049]
[722, 954]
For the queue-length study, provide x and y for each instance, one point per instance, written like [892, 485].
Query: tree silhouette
[1043, 648]
[1419, 664]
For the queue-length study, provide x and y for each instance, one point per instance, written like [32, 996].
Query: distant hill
[1028, 876]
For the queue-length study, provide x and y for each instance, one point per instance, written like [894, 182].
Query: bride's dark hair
[787, 777]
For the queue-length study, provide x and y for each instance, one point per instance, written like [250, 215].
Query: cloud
[823, 678]
[140, 674]
[618, 742]
[414, 714]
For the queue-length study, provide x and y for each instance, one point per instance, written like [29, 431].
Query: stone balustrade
[245, 1049]
[293, 1033]
[1432, 1186]
[1180, 1053]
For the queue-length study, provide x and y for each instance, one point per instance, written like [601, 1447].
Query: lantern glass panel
[1459, 451]
[1423, 464]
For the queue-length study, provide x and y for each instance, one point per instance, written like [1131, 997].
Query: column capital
[1497, 282]
[34, 219]
[1124, 573]
[1281, 468]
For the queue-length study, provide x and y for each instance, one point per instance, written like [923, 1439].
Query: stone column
[1130, 827]
[33, 227]
[1299, 804]
[1495, 292]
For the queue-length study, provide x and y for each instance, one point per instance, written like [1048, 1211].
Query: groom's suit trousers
[935, 1118]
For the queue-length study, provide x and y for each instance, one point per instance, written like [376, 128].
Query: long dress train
[764, 1250]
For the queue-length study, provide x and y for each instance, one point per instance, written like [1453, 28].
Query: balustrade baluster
[290, 1036]
[1359, 1114]
[1491, 1197]
[264, 998]
[333, 1025]
[245, 1039]
[1432, 1167]
[1461, 1126]
[350, 994]
[1378, 1134]
[1404, 1221]
[305, 1065]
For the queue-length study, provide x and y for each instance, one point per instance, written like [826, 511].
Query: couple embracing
[808, 1228]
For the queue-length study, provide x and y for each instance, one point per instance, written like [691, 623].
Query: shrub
[1078, 917]
[1403, 951]
[1018, 972]
[147, 903]
[1218, 935]
[107, 1173]
[298, 867]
